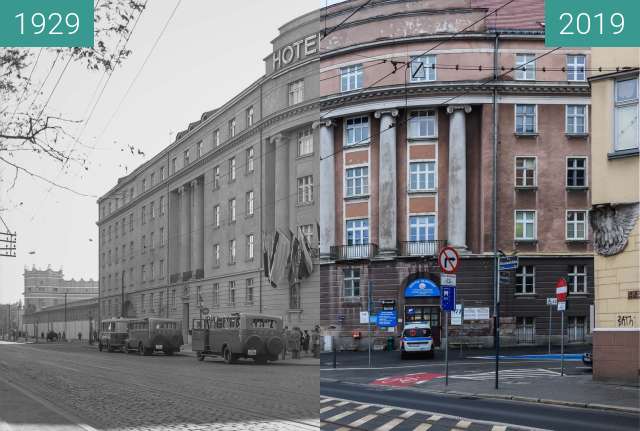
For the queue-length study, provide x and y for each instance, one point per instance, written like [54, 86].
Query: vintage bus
[152, 334]
[238, 335]
[113, 334]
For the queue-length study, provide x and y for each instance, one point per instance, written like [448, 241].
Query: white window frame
[525, 67]
[305, 190]
[250, 203]
[535, 225]
[361, 229]
[351, 78]
[216, 177]
[233, 128]
[250, 113]
[350, 279]
[216, 255]
[427, 118]
[249, 291]
[305, 142]
[295, 92]
[216, 295]
[250, 158]
[362, 126]
[575, 115]
[232, 251]
[432, 170]
[586, 172]
[535, 172]
[216, 138]
[515, 119]
[350, 183]
[575, 224]
[573, 68]
[525, 274]
[199, 148]
[232, 292]
[232, 210]
[250, 246]
[431, 223]
[232, 169]
[573, 280]
[426, 65]
[617, 106]
[216, 216]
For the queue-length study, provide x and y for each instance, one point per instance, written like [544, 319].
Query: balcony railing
[174, 278]
[187, 275]
[421, 248]
[358, 251]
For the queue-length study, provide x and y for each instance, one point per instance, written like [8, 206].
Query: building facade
[76, 320]
[47, 287]
[225, 218]
[450, 125]
[614, 217]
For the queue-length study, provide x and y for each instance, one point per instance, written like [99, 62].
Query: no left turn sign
[448, 259]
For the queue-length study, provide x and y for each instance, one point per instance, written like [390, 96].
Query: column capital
[279, 137]
[393, 112]
[194, 183]
[323, 123]
[180, 190]
[452, 108]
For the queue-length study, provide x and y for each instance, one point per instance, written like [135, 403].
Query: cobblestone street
[65, 386]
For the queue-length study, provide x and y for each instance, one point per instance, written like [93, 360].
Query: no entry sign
[449, 259]
[561, 290]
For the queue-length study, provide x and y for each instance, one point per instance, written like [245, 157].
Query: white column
[185, 229]
[387, 183]
[327, 187]
[457, 208]
[282, 192]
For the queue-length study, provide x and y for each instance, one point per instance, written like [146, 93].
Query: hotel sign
[295, 51]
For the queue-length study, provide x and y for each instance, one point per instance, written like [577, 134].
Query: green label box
[46, 23]
[591, 23]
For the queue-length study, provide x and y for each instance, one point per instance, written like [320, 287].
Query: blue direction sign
[448, 298]
[387, 318]
[508, 263]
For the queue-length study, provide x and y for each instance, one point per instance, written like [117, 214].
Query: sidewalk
[305, 360]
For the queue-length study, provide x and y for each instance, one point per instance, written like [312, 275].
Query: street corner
[407, 380]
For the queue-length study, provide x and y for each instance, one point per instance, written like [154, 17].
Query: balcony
[353, 252]
[421, 248]
[187, 275]
[174, 278]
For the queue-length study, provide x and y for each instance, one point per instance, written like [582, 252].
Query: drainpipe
[261, 204]
[494, 233]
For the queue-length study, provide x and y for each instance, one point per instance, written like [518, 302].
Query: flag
[280, 258]
[306, 260]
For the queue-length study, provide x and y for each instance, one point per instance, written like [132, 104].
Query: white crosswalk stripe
[520, 373]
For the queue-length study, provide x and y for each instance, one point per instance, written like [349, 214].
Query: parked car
[52, 336]
[416, 339]
[587, 359]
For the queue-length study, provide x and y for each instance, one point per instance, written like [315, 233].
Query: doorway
[425, 314]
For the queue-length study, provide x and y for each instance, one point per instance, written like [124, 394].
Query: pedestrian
[305, 342]
[59, 336]
[295, 345]
[285, 336]
[64, 336]
[42, 335]
[315, 342]
[79, 336]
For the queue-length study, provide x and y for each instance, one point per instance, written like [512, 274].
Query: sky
[206, 56]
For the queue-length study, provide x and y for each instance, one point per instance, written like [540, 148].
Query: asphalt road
[75, 387]
[494, 411]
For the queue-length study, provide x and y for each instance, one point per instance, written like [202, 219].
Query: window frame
[430, 71]
[523, 272]
[432, 222]
[351, 279]
[353, 72]
[355, 229]
[431, 117]
[362, 178]
[529, 65]
[305, 190]
[295, 92]
[566, 120]
[575, 68]
[586, 172]
[427, 173]
[535, 119]
[624, 104]
[535, 172]
[585, 222]
[515, 225]
[347, 127]
[573, 281]
[305, 136]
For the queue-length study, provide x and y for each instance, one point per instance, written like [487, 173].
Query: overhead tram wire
[358, 9]
[137, 75]
[26, 86]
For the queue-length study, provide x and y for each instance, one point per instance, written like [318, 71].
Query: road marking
[390, 425]
[343, 429]
[407, 415]
[340, 416]
[518, 373]
[422, 427]
[463, 424]
[364, 406]
[362, 421]
[499, 428]
[326, 409]
[384, 410]
[326, 400]
[342, 403]
[434, 418]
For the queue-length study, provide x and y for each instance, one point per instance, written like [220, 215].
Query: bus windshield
[417, 332]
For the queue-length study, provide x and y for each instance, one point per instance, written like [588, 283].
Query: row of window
[423, 69]
[149, 211]
[249, 251]
[109, 257]
[148, 272]
[527, 172]
[526, 329]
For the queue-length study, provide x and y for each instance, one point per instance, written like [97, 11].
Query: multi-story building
[46, 287]
[209, 222]
[614, 217]
[451, 124]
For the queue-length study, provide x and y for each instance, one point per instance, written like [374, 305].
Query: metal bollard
[335, 352]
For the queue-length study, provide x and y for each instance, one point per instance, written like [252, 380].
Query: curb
[593, 406]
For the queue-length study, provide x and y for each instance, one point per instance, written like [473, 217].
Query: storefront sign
[421, 287]
[481, 313]
[296, 51]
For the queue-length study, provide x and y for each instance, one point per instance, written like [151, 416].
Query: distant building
[10, 318]
[44, 288]
[77, 318]
[614, 216]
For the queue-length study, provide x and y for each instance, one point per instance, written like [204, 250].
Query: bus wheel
[140, 349]
[229, 357]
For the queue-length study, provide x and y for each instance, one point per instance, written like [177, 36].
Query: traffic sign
[562, 306]
[561, 290]
[456, 315]
[448, 280]
[508, 263]
[506, 277]
[552, 301]
[448, 259]
[448, 298]
[387, 318]
[205, 311]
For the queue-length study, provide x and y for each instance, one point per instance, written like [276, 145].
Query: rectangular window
[423, 68]
[151, 240]
[249, 291]
[216, 138]
[232, 169]
[174, 165]
[216, 254]
[199, 150]
[160, 301]
[250, 246]
[232, 251]
[110, 233]
[232, 128]
[161, 269]
[576, 122]
[162, 240]
[232, 210]
[577, 328]
[216, 178]
[249, 162]
[357, 181]
[422, 124]
[576, 172]
[526, 280]
[422, 176]
[357, 231]
[152, 210]
[249, 116]
[143, 273]
[577, 279]
[351, 77]
[422, 228]
[249, 204]
[142, 302]
[576, 65]
[305, 142]
[351, 283]
[525, 67]
[525, 119]
[216, 295]
[525, 225]
[356, 131]
[151, 302]
[144, 185]
[173, 298]
[526, 172]
[626, 124]
[307, 231]
[152, 271]
[576, 225]
[116, 229]
[186, 157]
[232, 292]
[143, 244]
[153, 179]
[305, 189]
[131, 250]
[216, 216]
[296, 92]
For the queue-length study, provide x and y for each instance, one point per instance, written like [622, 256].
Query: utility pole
[65, 314]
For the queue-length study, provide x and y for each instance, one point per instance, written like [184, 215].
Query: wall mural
[612, 224]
